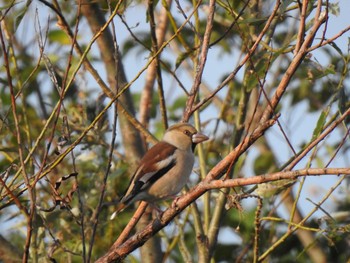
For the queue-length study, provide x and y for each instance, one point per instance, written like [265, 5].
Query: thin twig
[99, 116]
[257, 223]
[98, 209]
[244, 60]
[156, 225]
[231, 26]
[209, 183]
[30, 214]
[301, 32]
[329, 40]
[157, 63]
[318, 140]
[161, 26]
[301, 223]
[112, 146]
[118, 253]
[341, 144]
[203, 58]
[298, 58]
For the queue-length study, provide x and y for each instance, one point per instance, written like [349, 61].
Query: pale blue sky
[301, 127]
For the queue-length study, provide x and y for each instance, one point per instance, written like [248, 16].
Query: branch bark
[119, 253]
[203, 58]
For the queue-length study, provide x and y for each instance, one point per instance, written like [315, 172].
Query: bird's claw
[174, 203]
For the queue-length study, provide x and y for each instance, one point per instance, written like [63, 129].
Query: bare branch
[117, 254]
[244, 60]
[203, 58]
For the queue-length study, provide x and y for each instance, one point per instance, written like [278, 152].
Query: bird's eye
[187, 132]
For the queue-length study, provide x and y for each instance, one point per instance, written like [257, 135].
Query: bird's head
[184, 136]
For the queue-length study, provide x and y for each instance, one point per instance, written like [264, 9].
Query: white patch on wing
[165, 162]
[158, 166]
[146, 177]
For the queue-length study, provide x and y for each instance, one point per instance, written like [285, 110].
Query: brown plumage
[165, 168]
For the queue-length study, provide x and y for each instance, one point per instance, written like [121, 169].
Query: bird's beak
[199, 137]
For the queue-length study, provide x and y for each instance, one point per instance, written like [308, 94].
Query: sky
[301, 128]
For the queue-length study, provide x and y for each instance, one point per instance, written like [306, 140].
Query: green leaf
[20, 16]
[285, 4]
[59, 36]
[253, 20]
[264, 163]
[320, 124]
[130, 44]
[334, 8]
[179, 103]
[270, 189]
[335, 46]
[343, 99]
[182, 57]
[324, 72]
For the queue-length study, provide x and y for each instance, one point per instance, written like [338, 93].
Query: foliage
[85, 86]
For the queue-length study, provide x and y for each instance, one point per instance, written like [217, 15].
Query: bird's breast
[175, 179]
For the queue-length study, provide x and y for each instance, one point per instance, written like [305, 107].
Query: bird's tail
[120, 208]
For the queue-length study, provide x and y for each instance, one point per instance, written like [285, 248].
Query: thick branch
[139, 238]
[294, 65]
[216, 184]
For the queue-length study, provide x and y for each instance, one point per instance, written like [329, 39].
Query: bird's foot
[174, 203]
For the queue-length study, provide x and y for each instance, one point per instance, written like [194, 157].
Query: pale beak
[199, 137]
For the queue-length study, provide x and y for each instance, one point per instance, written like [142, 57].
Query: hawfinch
[165, 168]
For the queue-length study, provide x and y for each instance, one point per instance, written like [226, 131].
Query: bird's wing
[157, 161]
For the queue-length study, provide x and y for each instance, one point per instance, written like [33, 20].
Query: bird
[165, 168]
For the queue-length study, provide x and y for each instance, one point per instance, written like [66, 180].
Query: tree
[86, 87]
